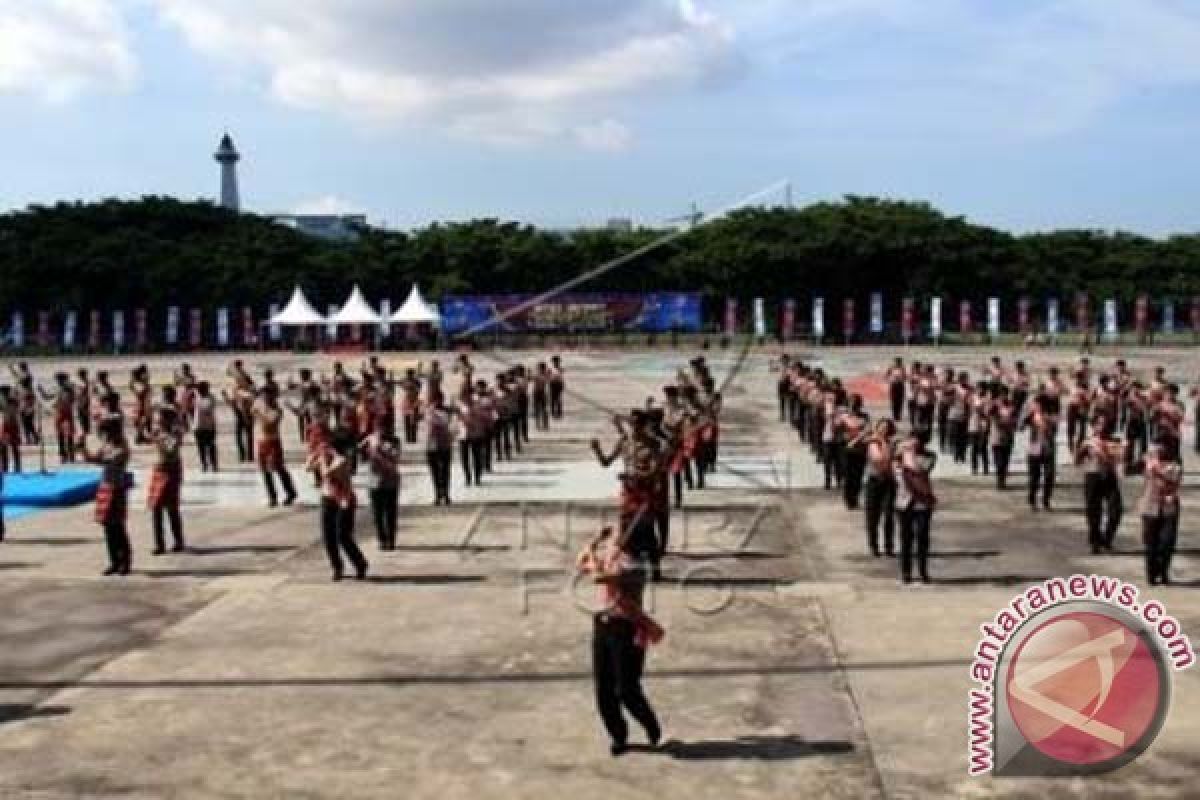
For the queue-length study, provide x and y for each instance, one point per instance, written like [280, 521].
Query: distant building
[334, 227]
[228, 157]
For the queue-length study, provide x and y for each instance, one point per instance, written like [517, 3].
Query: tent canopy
[356, 311]
[298, 313]
[416, 310]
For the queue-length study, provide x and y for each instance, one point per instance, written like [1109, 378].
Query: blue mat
[17, 512]
[57, 490]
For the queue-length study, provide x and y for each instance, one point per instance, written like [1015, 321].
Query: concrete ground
[793, 665]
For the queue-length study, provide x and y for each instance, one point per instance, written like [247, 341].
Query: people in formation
[344, 422]
[1109, 422]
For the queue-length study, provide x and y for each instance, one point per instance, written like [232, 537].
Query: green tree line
[159, 251]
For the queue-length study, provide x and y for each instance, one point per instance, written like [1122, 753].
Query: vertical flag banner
[94, 331]
[1052, 316]
[908, 319]
[731, 316]
[69, 329]
[331, 328]
[877, 312]
[1023, 314]
[760, 318]
[275, 330]
[248, 337]
[993, 322]
[1168, 316]
[140, 325]
[1141, 314]
[1082, 312]
[222, 327]
[818, 317]
[173, 326]
[195, 328]
[17, 331]
[788, 327]
[118, 333]
[385, 311]
[964, 316]
[848, 326]
[935, 317]
[1110, 319]
[43, 329]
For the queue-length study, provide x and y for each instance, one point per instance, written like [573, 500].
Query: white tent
[416, 310]
[356, 311]
[298, 313]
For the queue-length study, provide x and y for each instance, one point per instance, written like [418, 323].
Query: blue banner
[585, 313]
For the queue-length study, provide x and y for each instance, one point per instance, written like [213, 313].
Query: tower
[228, 157]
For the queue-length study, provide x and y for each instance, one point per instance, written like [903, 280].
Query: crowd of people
[345, 422]
[1115, 423]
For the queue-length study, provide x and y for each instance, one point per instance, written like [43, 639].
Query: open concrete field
[794, 666]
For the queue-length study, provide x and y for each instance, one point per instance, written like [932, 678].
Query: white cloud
[328, 204]
[468, 65]
[55, 49]
[607, 136]
[1024, 68]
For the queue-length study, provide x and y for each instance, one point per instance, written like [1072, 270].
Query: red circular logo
[1084, 688]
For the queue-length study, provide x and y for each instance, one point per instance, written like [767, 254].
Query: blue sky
[1020, 114]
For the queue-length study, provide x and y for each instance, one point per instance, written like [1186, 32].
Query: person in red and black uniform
[642, 459]
[112, 496]
[621, 634]
[268, 414]
[338, 506]
[166, 479]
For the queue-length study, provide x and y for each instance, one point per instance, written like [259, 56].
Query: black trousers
[1102, 501]
[439, 474]
[979, 452]
[831, 458]
[29, 428]
[896, 395]
[410, 428]
[206, 449]
[1076, 427]
[1041, 476]
[556, 400]
[943, 427]
[881, 505]
[175, 519]
[1001, 456]
[84, 417]
[1136, 440]
[384, 503]
[337, 531]
[925, 418]
[243, 432]
[914, 543]
[617, 665]
[958, 439]
[120, 551]
[471, 456]
[854, 462]
[1159, 535]
[680, 478]
[522, 420]
[541, 413]
[285, 480]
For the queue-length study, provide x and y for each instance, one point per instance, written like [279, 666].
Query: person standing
[1003, 430]
[881, 488]
[166, 480]
[112, 495]
[915, 502]
[621, 634]
[10, 432]
[853, 431]
[541, 397]
[897, 381]
[1159, 507]
[1040, 453]
[439, 447]
[268, 414]
[558, 387]
[473, 445]
[338, 505]
[204, 426]
[979, 425]
[382, 452]
[1099, 455]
